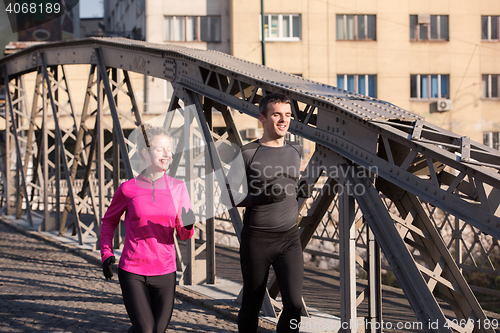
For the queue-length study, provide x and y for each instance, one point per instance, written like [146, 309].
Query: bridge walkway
[218, 301]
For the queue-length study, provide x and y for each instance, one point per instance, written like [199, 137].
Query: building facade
[439, 59]
[195, 23]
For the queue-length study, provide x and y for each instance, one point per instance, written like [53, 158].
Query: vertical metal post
[10, 209]
[457, 236]
[57, 183]
[18, 134]
[45, 157]
[374, 284]
[3, 169]
[209, 189]
[100, 148]
[116, 160]
[57, 151]
[263, 36]
[188, 158]
[347, 235]
[34, 143]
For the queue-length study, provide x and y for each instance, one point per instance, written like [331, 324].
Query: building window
[192, 28]
[356, 27]
[490, 27]
[429, 27]
[427, 86]
[489, 86]
[363, 84]
[492, 139]
[210, 29]
[140, 6]
[282, 27]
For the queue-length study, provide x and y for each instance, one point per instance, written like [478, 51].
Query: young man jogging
[270, 235]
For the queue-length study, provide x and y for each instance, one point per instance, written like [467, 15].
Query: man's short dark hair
[272, 98]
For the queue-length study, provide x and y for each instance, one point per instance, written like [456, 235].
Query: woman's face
[160, 154]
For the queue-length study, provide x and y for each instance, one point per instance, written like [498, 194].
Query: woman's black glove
[188, 218]
[107, 267]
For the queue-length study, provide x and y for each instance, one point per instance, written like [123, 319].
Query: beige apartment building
[437, 58]
[193, 23]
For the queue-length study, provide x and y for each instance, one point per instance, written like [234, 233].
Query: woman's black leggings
[149, 300]
[258, 251]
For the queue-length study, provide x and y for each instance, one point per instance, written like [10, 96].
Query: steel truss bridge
[385, 180]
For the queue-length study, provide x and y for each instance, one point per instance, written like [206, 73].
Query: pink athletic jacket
[153, 210]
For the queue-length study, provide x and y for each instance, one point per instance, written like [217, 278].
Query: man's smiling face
[277, 120]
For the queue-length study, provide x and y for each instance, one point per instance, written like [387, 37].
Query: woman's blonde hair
[145, 135]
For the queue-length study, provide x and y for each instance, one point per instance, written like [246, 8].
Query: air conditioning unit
[444, 105]
[251, 133]
[424, 18]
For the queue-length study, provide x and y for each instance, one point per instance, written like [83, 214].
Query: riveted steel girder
[240, 84]
[410, 161]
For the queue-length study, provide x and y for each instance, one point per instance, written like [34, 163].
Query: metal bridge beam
[416, 165]
[419, 282]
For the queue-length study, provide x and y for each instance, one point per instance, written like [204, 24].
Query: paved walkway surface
[51, 284]
[44, 288]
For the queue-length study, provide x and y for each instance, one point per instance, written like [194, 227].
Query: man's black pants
[258, 251]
